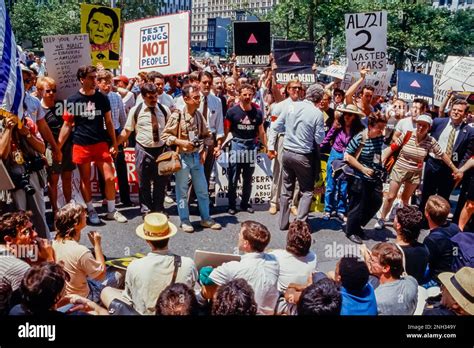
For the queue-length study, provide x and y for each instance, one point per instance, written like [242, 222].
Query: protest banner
[438, 93]
[457, 75]
[252, 43]
[158, 43]
[261, 182]
[204, 258]
[294, 60]
[103, 26]
[337, 71]
[380, 80]
[64, 55]
[412, 85]
[366, 41]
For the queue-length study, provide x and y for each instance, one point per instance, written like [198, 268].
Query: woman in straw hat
[346, 126]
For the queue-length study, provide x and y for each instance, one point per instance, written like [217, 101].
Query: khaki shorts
[401, 175]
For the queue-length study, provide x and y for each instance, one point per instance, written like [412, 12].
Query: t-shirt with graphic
[244, 124]
[87, 112]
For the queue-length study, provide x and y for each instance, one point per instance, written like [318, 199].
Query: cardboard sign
[458, 75]
[103, 26]
[123, 262]
[438, 92]
[337, 71]
[261, 183]
[294, 60]
[366, 41]
[64, 55]
[380, 80]
[252, 43]
[158, 43]
[204, 258]
[415, 84]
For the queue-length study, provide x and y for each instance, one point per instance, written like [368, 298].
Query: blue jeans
[336, 190]
[241, 161]
[190, 164]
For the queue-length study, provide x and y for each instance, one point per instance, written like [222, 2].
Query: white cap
[425, 118]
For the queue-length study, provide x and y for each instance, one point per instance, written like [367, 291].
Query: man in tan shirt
[192, 137]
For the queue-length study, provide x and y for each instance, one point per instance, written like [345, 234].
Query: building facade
[174, 6]
[454, 5]
[235, 10]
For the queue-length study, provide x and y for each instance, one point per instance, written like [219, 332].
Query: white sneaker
[117, 216]
[94, 217]
[187, 227]
[380, 224]
[169, 200]
[211, 224]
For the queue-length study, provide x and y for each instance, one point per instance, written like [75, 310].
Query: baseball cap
[425, 118]
[122, 78]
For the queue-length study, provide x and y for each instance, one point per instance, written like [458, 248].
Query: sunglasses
[296, 88]
[50, 91]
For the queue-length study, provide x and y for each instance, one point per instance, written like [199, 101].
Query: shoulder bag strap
[403, 260]
[177, 265]
[362, 143]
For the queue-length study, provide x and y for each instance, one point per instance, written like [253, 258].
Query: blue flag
[414, 83]
[11, 81]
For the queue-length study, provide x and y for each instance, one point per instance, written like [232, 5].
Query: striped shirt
[371, 154]
[412, 155]
[12, 269]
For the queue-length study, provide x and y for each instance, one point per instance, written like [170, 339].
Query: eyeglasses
[196, 97]
[50, 91]
[296, 87]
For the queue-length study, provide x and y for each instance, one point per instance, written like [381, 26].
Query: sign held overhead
[294, 60]
[366, 41]
[252, 43]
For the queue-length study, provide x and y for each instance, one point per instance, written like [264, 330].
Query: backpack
[463, 250]
[139, 108]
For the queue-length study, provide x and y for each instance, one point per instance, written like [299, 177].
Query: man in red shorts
[84, 116]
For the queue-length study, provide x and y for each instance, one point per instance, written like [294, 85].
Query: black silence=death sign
[252, 43]
[294, 60]
[366, 41]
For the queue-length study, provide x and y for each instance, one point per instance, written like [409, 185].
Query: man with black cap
[303, 124]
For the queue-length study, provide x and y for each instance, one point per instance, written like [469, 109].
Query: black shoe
[355, 238]
[128, 204]
[232, 211]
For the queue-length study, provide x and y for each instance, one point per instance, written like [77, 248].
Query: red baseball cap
[122, 78]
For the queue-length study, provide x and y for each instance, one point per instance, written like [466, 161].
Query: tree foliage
[32, 19]
[415, 28]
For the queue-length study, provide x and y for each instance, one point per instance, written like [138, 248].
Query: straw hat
[156, 227]
[461, 287]
[351, 109]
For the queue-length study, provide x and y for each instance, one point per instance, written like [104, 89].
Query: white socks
[111, 206]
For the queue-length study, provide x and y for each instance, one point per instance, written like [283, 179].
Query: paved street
[329, 242]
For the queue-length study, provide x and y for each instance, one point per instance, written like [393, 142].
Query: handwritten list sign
[64, 55]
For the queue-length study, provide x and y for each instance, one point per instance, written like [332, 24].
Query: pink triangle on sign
[252, 39]
[294, 58]
[415, 84]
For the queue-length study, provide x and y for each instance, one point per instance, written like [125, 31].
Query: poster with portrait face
[103, 26]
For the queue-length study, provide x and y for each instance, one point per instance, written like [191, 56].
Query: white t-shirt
[260, 270]
[406, 125]
[294, 269]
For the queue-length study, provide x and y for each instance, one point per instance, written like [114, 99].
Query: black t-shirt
[244, 124]
[440, 248]
[88, 114]
[416, 256]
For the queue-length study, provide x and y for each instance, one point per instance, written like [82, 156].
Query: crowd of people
[217, 110]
